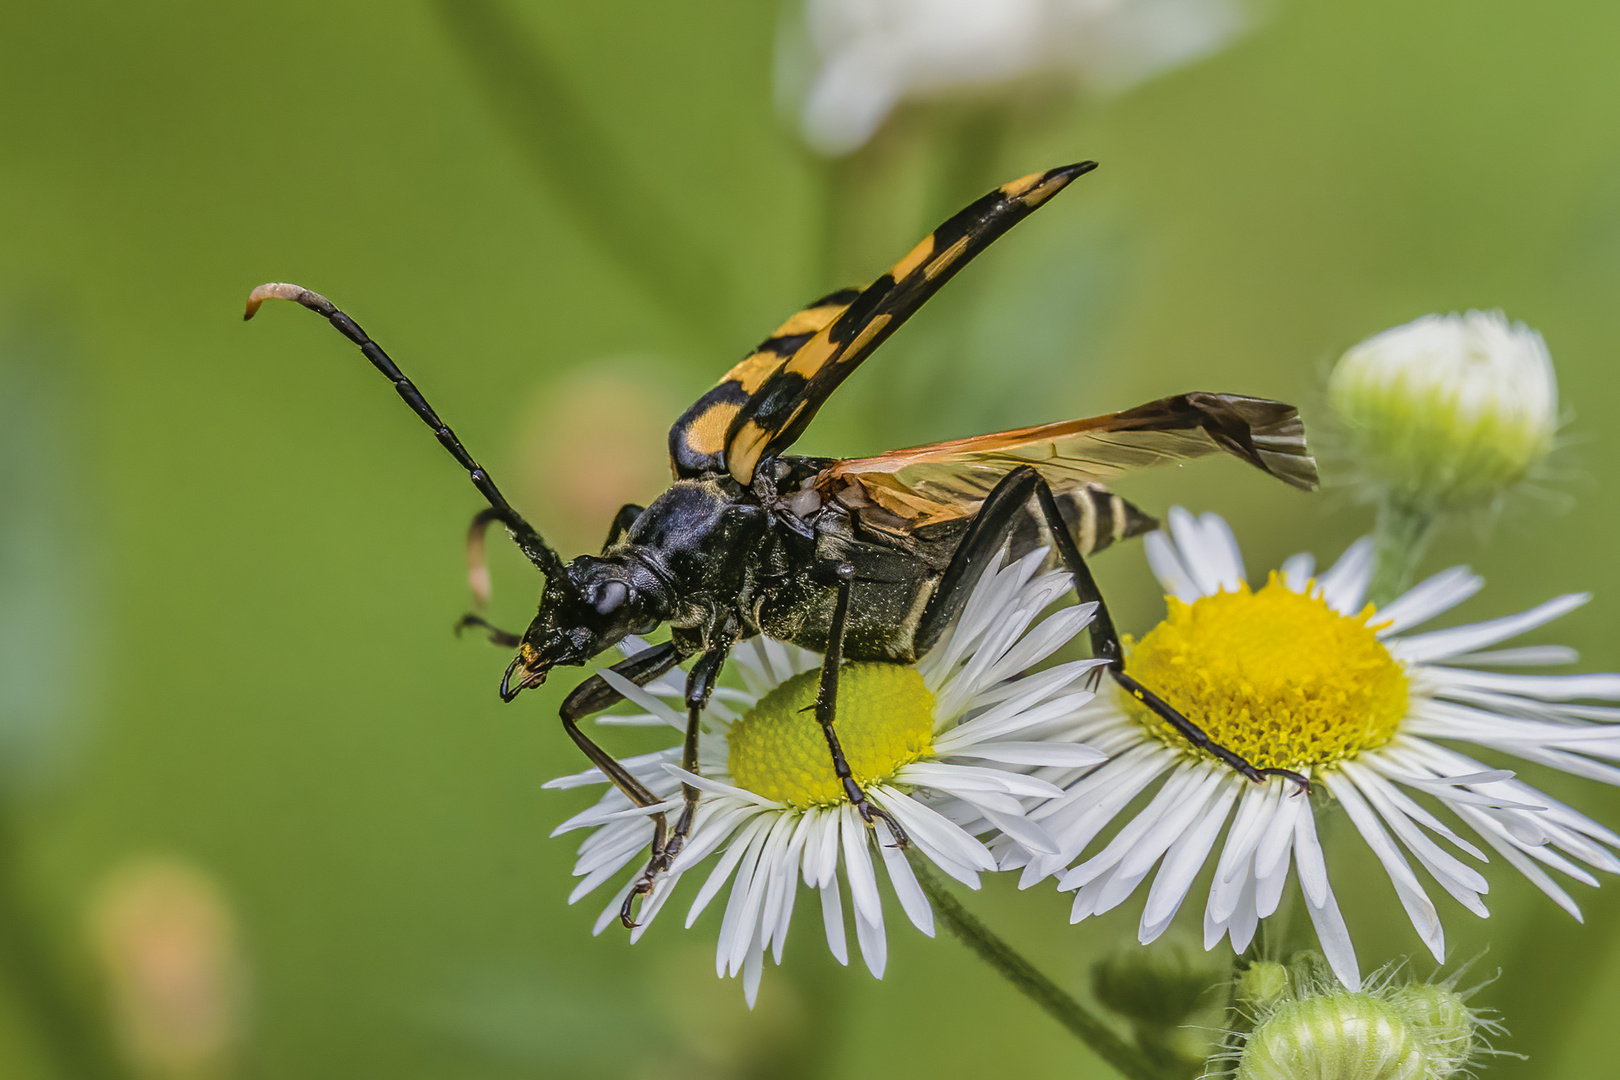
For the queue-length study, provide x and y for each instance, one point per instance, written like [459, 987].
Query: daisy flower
[944, 746]
[1299, 674]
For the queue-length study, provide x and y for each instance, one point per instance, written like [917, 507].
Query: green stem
[66, 1031]
[1031, 983]
[550, 121]
[1400, 540]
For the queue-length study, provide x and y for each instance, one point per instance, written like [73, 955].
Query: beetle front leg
[594, 695]
[699, 687]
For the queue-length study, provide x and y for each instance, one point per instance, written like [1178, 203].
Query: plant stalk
[64, 1027]
[1400, 540]
[1012, 966]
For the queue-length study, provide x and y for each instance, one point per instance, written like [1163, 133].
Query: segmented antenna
[528, 538]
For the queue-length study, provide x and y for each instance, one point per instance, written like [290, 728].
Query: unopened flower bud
[1443, 1017]
[1335, 1037]
[1448, 411]
[1324, 1032]
[1261, 984]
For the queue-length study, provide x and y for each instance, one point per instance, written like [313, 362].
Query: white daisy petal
[1429, 598]
[1525, 656]
[1543, 687]
[740, 920]
[1183, 861]
[832, 917]
[1272, 857]
[1060, 755]
[1245, 918]
[1463, 882]
[1167, 567]
[1421, 910]
[728, 862]
[1331, 930]
[1152, 830]
[639, 697]
[1345, 583]
[1440, 644]
[1514, 854]
[953, 850]
[753, 968]
[1203, 561]
[874, 946]
[1296, 571]
[863, 888]
[1225, 557]
[912, 900]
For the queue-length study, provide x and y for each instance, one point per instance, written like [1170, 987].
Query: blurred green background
[231, 560]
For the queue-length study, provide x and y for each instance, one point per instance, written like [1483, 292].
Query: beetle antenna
[528, 539]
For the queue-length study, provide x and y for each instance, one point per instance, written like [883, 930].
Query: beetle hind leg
[985, 537]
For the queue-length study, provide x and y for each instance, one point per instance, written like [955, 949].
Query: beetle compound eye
[610, 597]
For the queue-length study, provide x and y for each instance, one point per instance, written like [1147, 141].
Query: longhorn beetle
[867, 559]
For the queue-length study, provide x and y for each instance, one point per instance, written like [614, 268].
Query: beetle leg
[477, 564]
[984, 539]
[504, 638]
[592, 696]
[699, 687]
[827, 709]
[623, 521]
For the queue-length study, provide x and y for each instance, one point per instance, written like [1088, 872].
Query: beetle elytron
[862, 559]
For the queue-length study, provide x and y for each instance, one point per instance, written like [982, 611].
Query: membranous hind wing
[697, 442]
[930, 485]
[778, 410]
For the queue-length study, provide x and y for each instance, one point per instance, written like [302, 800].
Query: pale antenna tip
[282, 290]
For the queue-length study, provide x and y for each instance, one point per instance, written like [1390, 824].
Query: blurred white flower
[1447, 411]
[867, 56]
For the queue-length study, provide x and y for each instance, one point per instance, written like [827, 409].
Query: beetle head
[589, 607]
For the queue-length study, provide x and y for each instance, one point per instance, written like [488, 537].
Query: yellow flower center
[885, 721]
[1279, 678]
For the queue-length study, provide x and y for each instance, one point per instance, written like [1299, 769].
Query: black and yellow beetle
[862, 559]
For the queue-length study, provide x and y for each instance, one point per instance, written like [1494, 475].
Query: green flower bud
[1336, 1037]
[1448, 411]
[1320, 1031]
[1262, 984]
[1443, 1017]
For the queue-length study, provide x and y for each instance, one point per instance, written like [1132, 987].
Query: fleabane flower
[945, 746]
[1299, 674]
[1447, 411]
[870, 55]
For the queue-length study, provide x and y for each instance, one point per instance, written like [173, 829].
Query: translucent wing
[928, 484]
[697, 442]
[780, 408]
